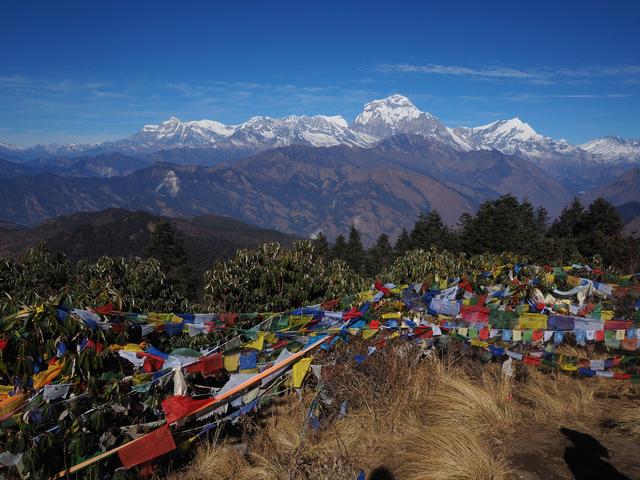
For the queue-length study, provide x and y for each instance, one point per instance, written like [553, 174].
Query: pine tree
[379, 256]
[569, 222]
[321, 245]
[403, 243]
[603, 217]
[503, 225]
[429, 230]
[600, 232]
[338, 251]
[168, 248]
[354, 253]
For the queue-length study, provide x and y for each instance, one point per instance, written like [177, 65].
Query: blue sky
[90, 71]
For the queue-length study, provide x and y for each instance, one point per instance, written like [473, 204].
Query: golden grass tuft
[446, 452]
[422, 417]
[214, 463]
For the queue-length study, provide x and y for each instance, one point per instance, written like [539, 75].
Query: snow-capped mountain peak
[513, 136]
[614, 148]
[514, 128]
[391, 112]
[396, 114]
[379, 120]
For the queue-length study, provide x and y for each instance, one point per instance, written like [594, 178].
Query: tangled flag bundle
[103, 390]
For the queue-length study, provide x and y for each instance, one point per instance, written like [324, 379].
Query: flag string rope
[214, 403]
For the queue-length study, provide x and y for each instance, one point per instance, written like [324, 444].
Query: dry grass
[421, 417]
[627, 421]
[555, 396]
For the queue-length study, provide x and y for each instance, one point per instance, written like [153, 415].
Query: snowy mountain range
[379, 120]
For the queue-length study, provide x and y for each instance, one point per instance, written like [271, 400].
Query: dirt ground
[583, 452]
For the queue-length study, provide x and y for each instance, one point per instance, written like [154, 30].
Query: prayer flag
[147, 447]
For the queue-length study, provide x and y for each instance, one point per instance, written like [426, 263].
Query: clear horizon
[96, 72]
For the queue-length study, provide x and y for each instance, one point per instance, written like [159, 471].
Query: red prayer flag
[211, 363]
[229, 319]
[600, 335]
[330, 304]
[147, 448]
[179, 406]
[152, 363]
[105, 309]
[484, 333]
[537, 335]
[351, 314]
[374, 324]
[206, 365]
[3, 343]
[380, 287]
[280, 344]
[532, 360]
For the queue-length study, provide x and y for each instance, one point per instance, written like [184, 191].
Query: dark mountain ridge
[300, 189]
[117, 232]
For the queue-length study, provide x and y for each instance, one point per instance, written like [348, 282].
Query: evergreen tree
[602, 216]
[429, 230]
[503, 225]
[403, 243]
[338, 251]
[600, 232]
[379, 256]
[354, 253]
[168, 248]
[321, 245]
[569, 222]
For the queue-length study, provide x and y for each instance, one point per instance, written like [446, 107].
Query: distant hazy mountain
[300, 189]
[624, 189]
[380, 119]
[117, 232]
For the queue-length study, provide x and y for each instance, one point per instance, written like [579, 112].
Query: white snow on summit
[391, 111]
[379, 119]
[614, 149]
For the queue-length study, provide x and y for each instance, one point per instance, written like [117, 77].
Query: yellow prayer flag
[475, 342]
[463, 331]
[573, 281]
[367, 334]
[300, 370]
[606, 314]
[46, 376]
[10, 404]
[132, 347]
[4, 390]
[231, 362]
[256, 344]
[517, 335]
[568, 368]
[620, 334]
[532, 321]
[391, 315]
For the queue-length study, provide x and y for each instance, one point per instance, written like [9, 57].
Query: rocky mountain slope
[300, 189]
